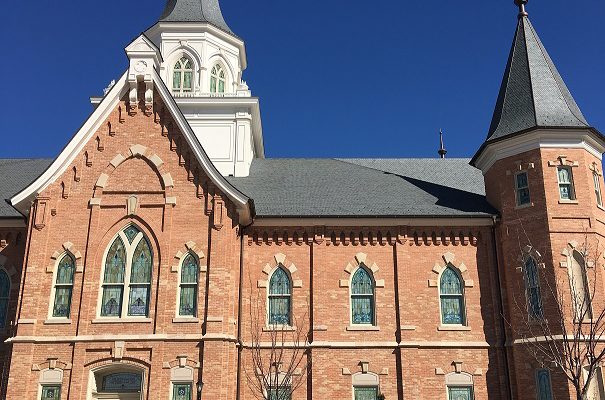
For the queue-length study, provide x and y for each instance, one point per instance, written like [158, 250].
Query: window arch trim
[176, 60]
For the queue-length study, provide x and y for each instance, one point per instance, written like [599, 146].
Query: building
[129, 264]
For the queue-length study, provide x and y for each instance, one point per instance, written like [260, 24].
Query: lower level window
[182, 391]
[282, 393]
[460, 393]
[544, 385]
[51, 392]
[366, 393]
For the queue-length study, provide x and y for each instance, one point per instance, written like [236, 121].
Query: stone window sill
[407, 327]
[185, 320]
[363, 328]
[279, 328]
[121, 320]
[522, 206]
[453, 328]
[57, 321]
[568, 202]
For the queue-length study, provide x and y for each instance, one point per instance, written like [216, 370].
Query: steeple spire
[442, 151]
[208, 11]
[521, 4]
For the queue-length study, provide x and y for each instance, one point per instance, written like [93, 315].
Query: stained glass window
[366, 393]
[181, 391]
[597, 188]
[217, 79]
[522, 189]
[127, 272]
[281, 393]
[362, 297]
[122, 382]
[51, 392]
[543, 384]
[566, 189]
[532, 286]
[452, 298]
[5, 286]
[64, 287]
[189, 284]
[280, 297]
[182, 76]
[460, 393]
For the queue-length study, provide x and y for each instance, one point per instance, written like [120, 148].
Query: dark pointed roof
[195, 11]
[533, 93]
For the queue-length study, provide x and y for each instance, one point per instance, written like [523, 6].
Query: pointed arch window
[63, 288]
[5, 288]
[182, 76]
[451, 293]
[280, 297]
[543, 384]
[218, 80]
[362, 297]
[580, 292]
[532, 289]
[189, 286]
[127, 274]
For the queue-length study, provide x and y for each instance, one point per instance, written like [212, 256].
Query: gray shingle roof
[533, 93]
[15, 175]
[365, 188]
[195, 11]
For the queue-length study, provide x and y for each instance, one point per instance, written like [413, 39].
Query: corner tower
[203, 62]
[542, 165]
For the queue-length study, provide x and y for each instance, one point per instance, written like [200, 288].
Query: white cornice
[556, 139]
[420, 221]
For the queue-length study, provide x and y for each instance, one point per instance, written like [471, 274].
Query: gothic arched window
[280, 297]
[451, 294]
[580, 292]
[188, 286]
[182, 76]
[63, 289]
[5, 288]
[218, 79]
[362, 297]
[532, 288]
[127, 271]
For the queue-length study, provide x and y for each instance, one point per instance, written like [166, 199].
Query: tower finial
[442, 151]
[521, 4]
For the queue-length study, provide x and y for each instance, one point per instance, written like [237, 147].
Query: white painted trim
[380, 222]
[539, 139]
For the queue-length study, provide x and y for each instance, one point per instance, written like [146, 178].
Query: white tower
[202, 64]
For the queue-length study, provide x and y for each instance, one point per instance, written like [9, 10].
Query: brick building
[130, 263]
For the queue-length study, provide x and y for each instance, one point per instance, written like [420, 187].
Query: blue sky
[336, 78]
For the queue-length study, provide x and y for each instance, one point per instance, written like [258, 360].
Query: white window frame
[572, 189]
[517, 189]
[269, 295]
[7, 298]
[597, 188]
[53, 289]
[181, 89]
[464, 314]
[374, 313]
[130, 249]
[180, 285]
[218, 78]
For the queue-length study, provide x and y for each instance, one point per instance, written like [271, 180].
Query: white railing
[200, 94]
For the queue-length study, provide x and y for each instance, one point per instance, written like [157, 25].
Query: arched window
[362, 297]
[127, 271]
[188, 286]
[64, 283]
[532, 288]
[580, 293]
[5, 288]
[452, 298]
[182, 76]
[218, 79]
[280, 297]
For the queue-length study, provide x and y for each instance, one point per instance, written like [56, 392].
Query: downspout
[501, 297]
[240, 345]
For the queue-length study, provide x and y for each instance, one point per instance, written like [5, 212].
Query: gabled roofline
[22, 200]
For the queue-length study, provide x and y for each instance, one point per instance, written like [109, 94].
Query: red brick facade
[180, 210]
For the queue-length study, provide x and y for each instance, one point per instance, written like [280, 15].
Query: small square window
[522, 189]
[182, 391]
[566, 189]
[51, 392]
[366, 393]
[460, 393]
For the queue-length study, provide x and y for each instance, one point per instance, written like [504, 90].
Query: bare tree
[279, 354]
[559, 322]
